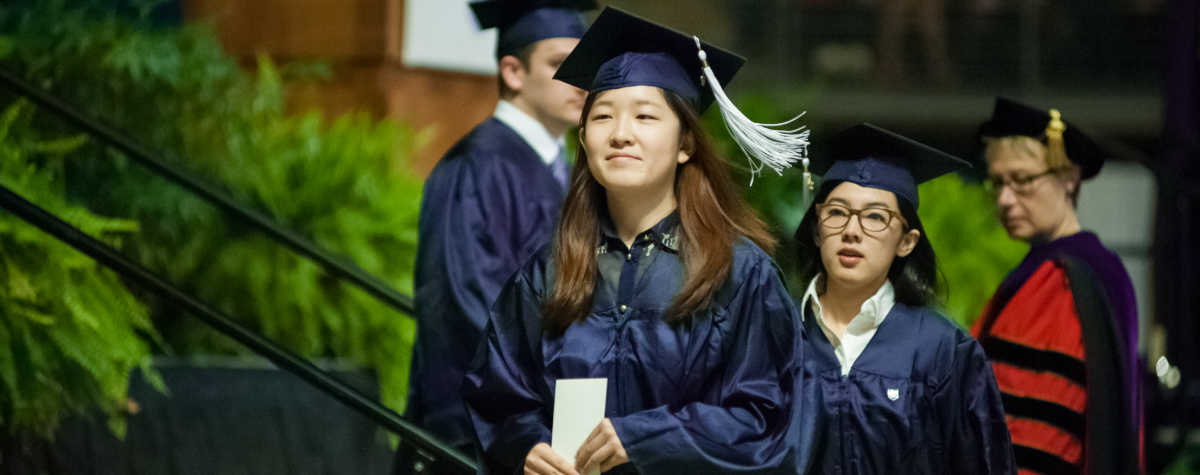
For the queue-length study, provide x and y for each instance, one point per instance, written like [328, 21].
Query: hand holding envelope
[580, 434]
[578, 416]
[602, 451]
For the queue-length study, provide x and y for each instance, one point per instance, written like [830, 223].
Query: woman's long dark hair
[915, 277]
[712, 217]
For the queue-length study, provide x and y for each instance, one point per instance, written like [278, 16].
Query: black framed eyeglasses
[837, 217]
[1021, 185]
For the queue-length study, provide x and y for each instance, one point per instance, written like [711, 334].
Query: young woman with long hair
[899, 388]
[659, 279]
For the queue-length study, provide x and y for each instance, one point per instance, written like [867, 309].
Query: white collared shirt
[534, 133]
[860, 330]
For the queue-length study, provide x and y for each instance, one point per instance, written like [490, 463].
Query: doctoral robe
[1062, 334]
[711, 396]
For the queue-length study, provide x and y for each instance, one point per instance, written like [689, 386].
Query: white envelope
[578, 409]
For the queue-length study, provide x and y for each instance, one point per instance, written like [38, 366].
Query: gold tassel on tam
[1056, 151]
[807, 191]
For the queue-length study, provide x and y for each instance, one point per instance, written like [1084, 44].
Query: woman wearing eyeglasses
[1061, 330]
[901, 389]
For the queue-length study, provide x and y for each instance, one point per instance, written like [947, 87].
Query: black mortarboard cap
[1011, 118]
[624, 50]
[872, 157]
[524, 22]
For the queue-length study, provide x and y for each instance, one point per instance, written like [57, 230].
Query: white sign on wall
[443, 34]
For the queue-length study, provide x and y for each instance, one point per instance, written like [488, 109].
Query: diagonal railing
[336, 267]
[436, 456]
[445, 458]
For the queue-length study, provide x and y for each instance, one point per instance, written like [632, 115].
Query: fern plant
[343, 182]
[973, 250]
[70, 332]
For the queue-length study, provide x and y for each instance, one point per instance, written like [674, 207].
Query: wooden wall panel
[447, 102]
[362, 41]
[334, 29]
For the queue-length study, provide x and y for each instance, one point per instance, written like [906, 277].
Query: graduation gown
[920, 399]
[487, 206]
[1062, 334]
[713, 396]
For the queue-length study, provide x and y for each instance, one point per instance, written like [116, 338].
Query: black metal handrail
[281, 357]
[339, 268]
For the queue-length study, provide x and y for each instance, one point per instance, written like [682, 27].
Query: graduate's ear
[512, 72]
[908, 242]
[1071, 178]
[687, 147]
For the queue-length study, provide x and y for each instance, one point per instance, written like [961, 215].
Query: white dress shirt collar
[860, 330]
[534, 133]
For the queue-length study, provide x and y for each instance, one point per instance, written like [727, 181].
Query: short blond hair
[1029, 146]
[1032, 148]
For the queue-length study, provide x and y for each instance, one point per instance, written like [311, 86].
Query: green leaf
[7, 45]
[342, 181]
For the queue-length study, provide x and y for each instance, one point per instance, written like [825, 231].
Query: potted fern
[343, 182]
[70, 332]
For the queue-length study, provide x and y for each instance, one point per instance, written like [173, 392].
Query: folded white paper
[578, 409]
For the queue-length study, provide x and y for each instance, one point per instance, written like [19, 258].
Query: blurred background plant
[70, 332]
[973, 250]
[1187, 462]
[343, 182]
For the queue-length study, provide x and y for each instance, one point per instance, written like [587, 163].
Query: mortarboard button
[622, 50]
[873, 157]
[524, 22]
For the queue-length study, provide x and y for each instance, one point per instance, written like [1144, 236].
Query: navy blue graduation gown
[487, 206]
[921, 399]
[714, 396]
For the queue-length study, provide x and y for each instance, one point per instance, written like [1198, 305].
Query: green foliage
[70, 332]
[345, 183]
[1186, 463]
[974, 253]
[777, 198]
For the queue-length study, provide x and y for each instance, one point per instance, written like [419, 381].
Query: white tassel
[774, 149]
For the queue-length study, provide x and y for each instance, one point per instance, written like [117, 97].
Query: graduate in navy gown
[902, 390]
[659, 279]
[490, 202]
[1061, 330]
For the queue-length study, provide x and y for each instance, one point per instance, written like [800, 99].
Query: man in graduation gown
[1061, 330]
[491, 201]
